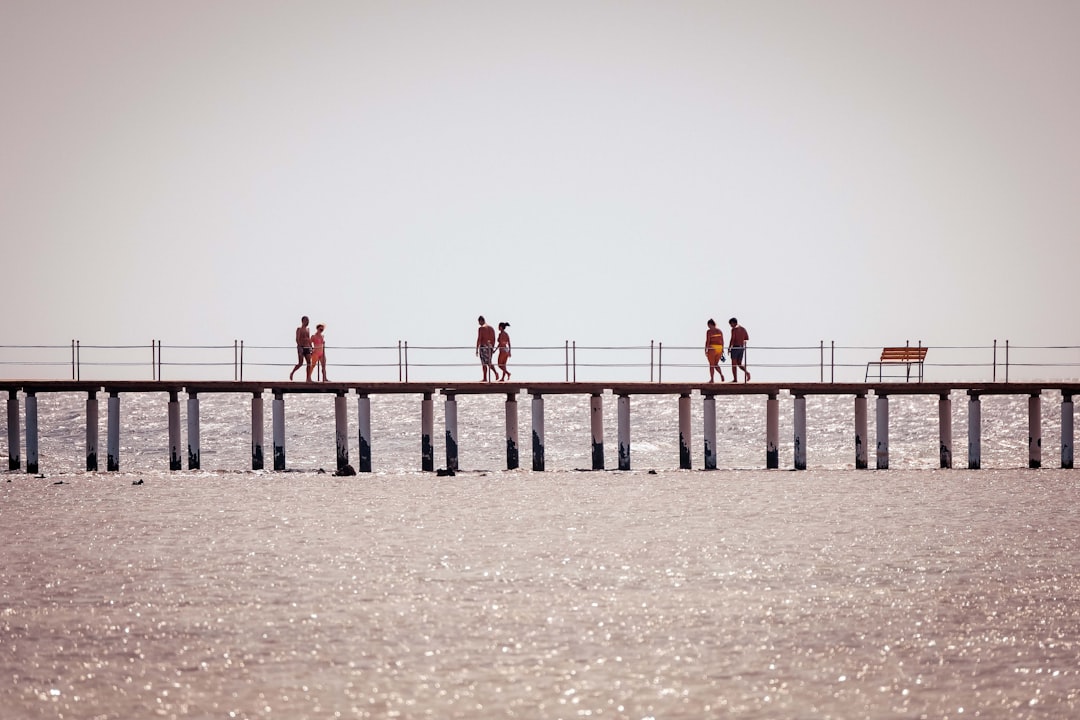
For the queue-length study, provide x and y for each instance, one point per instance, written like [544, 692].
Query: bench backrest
[903, 354]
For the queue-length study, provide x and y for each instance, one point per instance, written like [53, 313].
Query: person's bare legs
[299, 362]
[714, 367]
[735, 372]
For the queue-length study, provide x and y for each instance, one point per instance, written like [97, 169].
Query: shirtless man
[303, 348]
[737, 346]
[485, 347]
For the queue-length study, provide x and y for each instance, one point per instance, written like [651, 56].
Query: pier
[707, 393]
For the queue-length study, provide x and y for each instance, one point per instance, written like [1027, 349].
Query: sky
[609, 173]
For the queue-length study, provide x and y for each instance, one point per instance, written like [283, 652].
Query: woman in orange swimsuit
[714, 350]
[503, 347]
[318, 352]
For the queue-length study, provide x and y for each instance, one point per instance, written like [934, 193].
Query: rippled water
[831, 593]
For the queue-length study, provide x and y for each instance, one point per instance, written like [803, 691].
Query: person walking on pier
[714, 350]
[318, 352]
[303, 348]
[737, 346]
[504, 349]
[485, 348]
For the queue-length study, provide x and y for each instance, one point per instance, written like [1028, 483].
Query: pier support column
[91, 431]
[684, 432]
[945, 430]
[450, 412]
[277, 410]
[974, 432]
[14, 439]
[176, 461]
[512, 455]
[1067, 432]
[862, 429]
[341, 431]
[772, 433]
[427, 432]
[257, 431]
[882, 432]
[31, 433]
[1035, 431]
[112, 440]
[596, 425]
[624, 432]
[363, 418]
[538, 432]
[194, 452]
[800, 432]
[708, 405]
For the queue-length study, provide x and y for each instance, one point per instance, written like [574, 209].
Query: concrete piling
[708, 404]
[176, 461]
[363, 419]
[882, 432]
[538, 459]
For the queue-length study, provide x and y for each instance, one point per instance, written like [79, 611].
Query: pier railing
[570, 362]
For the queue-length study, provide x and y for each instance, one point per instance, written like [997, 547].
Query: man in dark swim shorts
[485, 347]
[737, 349]
[303, 348]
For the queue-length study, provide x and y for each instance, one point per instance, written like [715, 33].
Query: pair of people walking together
[486, 345]
[310, 350]
[714, 350]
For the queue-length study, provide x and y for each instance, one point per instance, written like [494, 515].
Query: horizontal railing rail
[570, 362]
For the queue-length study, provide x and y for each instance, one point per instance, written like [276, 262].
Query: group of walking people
[311, 350]
[714, 350]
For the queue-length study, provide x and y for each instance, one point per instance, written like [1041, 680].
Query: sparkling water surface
[653, 593]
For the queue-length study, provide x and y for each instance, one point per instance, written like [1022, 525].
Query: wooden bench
[906, 356]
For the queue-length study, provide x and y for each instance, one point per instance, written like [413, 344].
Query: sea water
[649, 593]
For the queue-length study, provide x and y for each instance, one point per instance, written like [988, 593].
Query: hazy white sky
[605, 172]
